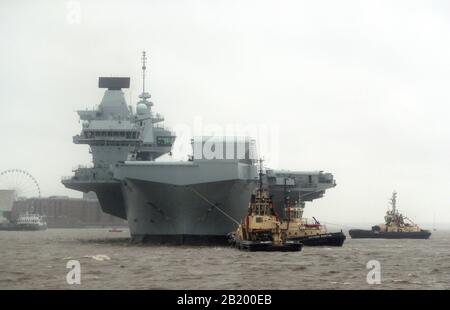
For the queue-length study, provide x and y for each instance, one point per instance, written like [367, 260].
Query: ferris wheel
[21, 182]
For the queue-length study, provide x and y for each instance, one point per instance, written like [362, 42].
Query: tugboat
[260, 229]
[26, 222]
[396, 226]
[315, 234]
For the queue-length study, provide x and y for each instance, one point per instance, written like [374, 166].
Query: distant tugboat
[296, 228]
[394, 228]
[26, 222]
[260, 229]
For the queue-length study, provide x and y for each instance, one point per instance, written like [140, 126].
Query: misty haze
[347, 102]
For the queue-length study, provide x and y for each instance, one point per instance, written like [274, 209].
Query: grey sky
[356, 88]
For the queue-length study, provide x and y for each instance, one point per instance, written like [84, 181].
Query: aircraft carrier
[198, 201]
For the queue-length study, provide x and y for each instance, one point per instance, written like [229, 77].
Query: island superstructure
[198, 201]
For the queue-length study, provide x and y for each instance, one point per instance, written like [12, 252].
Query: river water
[37, 260]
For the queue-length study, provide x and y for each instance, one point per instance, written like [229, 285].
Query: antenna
[260, 174]
[285, 193]
[144, 96]
[144, 67]
[394, 202]
[287, 199]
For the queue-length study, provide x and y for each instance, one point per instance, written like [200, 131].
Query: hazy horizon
[358, 89]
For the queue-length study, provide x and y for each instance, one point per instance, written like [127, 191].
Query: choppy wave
[38, 261]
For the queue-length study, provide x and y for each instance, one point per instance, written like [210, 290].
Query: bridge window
[165, 140]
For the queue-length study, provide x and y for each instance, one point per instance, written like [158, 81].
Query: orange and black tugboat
[310, 234]
[396, 226]
[260, 229]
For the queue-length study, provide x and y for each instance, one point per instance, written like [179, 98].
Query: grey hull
[185, 214]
